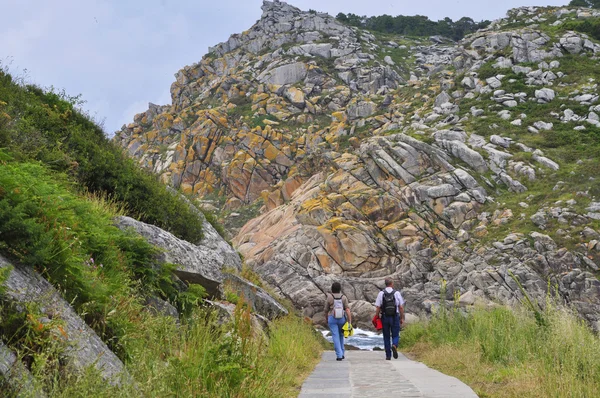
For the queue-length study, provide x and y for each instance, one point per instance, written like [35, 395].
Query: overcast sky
[122, 54]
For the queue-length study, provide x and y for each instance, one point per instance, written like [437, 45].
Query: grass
[106, 273]
[70, 239]
[46, 126]
[200, 359]
[577, 152]
[504, 352]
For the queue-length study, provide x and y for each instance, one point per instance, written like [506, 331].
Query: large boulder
[195, 264]
[211, 239]
[261, 302]
[368, 219]
[286, 74]
[83, 347]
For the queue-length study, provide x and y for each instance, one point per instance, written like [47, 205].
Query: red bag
[377, 323]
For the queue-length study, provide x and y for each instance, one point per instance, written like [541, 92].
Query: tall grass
[503, 352]
[67, 236]
[201, 359]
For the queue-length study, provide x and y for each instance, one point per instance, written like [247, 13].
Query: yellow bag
[348, 330]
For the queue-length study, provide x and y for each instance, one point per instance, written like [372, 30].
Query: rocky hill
[456, 168]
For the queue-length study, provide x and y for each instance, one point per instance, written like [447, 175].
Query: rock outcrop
[195, 264]
[19, 381]
[370, 158]
[82, 347]
[260, 301]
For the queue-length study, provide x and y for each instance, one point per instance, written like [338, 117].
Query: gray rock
[543, 125]
[361, 109]
[441, 191]
[546, 162]
[286, 74]
[83, 347]
[442, 98]
[261, 302]
[539, 219]
[159, 306]
[16, 376]
[545, 95]
[594, 207]
[572, 43]
[450, 135]
[211, 239]
[501, 141]
[226, 313]
[477, 112]
[494, 82]
[196, 264]
[321, 49]
[466, 154]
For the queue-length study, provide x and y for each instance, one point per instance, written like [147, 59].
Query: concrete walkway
[368, 374]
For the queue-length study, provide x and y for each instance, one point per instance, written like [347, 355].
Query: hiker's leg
[387, 330]
[341, 324]
[396, 330]
[335, 332]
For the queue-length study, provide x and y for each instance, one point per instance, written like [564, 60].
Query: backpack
[338, 307]
[388, 305]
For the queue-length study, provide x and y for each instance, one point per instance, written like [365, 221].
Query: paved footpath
[368, 374]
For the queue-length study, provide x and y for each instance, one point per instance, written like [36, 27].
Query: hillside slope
[95, 302]
[368, 155]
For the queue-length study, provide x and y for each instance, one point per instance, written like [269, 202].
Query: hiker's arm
[326, 307]
[378, 305]
[348, 316]
[401, 308]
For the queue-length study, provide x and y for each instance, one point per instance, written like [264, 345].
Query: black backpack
[388, 305]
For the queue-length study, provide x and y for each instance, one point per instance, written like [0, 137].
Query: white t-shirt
[399, 300]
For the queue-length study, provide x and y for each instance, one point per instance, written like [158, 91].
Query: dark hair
[336, 287]
[389, 282]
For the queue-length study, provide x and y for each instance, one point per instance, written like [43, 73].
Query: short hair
[389, 282]
[336, 287]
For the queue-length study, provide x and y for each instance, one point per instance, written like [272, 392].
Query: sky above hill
[120, 55]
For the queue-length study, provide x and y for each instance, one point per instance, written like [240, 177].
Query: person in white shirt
[390, 306]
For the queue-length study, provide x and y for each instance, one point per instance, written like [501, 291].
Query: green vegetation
[503, 352]
[585, 3]
[46, 126]
[576, 151]
[199, 358]
[71, 241]
[237, 218]
[591, 26]
[417, 25]
[62, 183]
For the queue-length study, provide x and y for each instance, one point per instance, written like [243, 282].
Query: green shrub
[73, 243]
[46, 126]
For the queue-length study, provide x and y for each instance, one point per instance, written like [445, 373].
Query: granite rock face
[196, 264]
[261, 302]
[83, 347]
[359, 158]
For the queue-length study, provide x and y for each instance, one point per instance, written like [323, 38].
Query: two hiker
[390, 306]
[337, 313]
[389, 310]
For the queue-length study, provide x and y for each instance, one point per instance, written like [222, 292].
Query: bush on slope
[46, 126]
